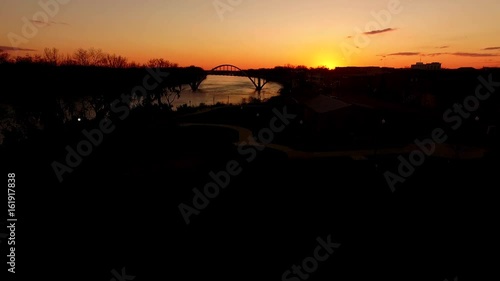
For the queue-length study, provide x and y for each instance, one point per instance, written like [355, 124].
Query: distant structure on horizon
[427, 66]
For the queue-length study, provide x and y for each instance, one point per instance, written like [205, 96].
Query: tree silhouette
[171, 94]
[68, 60]
[27, 59]
[161, 63]
[52, 56]
[115, 61]
[81, 57]
[4, 57]
[96, 57]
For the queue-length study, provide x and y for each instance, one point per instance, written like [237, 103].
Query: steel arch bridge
[232, 70]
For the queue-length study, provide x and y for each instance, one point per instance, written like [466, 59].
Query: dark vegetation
[51, 90]
[119, 208]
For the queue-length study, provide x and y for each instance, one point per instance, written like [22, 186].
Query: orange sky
[263, 33]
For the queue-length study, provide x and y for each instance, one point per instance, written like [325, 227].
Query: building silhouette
[427, 66]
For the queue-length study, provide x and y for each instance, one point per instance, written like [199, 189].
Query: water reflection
[215, 89]
[226, 89]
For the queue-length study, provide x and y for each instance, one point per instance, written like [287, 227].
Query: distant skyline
[259, 33]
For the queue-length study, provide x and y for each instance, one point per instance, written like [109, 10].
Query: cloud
[473, 54]
[462, 54]
[491, 48]
[47, 23]
[8, 48]
[443, 47]
[435, 54]
[374, 32]
[405, 54]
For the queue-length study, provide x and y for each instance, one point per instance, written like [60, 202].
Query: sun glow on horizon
[324, 59]
[329, 33]
[328, 63]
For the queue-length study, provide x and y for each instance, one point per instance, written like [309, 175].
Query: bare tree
[81, 57]
[133, 64]
[171, 93]
[115, 61]
[96, 57]
[51, 56]
[68, 60]
[160, 63]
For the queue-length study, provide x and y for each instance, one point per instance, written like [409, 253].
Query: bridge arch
[233, 70]
[228, 66]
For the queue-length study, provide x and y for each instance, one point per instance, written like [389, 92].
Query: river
[225, 89]
[215, 89]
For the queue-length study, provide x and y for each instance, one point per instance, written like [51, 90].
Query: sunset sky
[263, 33]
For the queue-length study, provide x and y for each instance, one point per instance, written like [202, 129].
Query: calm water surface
[226, 89]
[215, 89]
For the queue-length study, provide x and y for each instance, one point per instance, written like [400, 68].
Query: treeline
[35, 86]
[82, 57]
[50, 86]
[303, 67]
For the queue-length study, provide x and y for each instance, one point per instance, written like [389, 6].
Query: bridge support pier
[258, 87]
[259, 84]
[196, 84]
